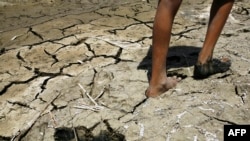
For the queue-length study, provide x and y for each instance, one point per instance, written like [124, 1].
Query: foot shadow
[178, 57]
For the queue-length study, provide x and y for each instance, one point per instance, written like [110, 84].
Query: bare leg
[218, 15]
[159, 82]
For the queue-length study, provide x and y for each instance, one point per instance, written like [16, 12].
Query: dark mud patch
[83, 134]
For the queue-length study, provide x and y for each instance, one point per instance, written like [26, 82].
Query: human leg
[220, 10]
[159, 82]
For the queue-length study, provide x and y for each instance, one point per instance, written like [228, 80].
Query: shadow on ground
[178, 57]
[84, 134]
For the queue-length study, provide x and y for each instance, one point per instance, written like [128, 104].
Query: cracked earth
[78, 71]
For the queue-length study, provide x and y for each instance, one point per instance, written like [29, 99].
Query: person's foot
[202, 71]
[163, 86]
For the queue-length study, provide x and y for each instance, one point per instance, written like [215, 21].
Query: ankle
[204, 61]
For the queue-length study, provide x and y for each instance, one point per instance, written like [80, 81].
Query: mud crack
[20, 57]
[182, 33]
[35, 33]
[137, 22]
[38, 73]
[134, 108]
[19, 103]
[16, 83]
[53, 56]
[221, 120]
[240, 93]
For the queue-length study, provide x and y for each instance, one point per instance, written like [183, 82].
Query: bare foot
[163, 86]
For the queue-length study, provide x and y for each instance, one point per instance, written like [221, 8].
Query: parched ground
[78, 70]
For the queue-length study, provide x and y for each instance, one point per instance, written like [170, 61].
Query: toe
[179, 79]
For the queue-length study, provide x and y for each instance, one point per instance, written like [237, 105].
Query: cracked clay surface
[78, 71]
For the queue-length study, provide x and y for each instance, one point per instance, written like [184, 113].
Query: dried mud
[78, 70]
